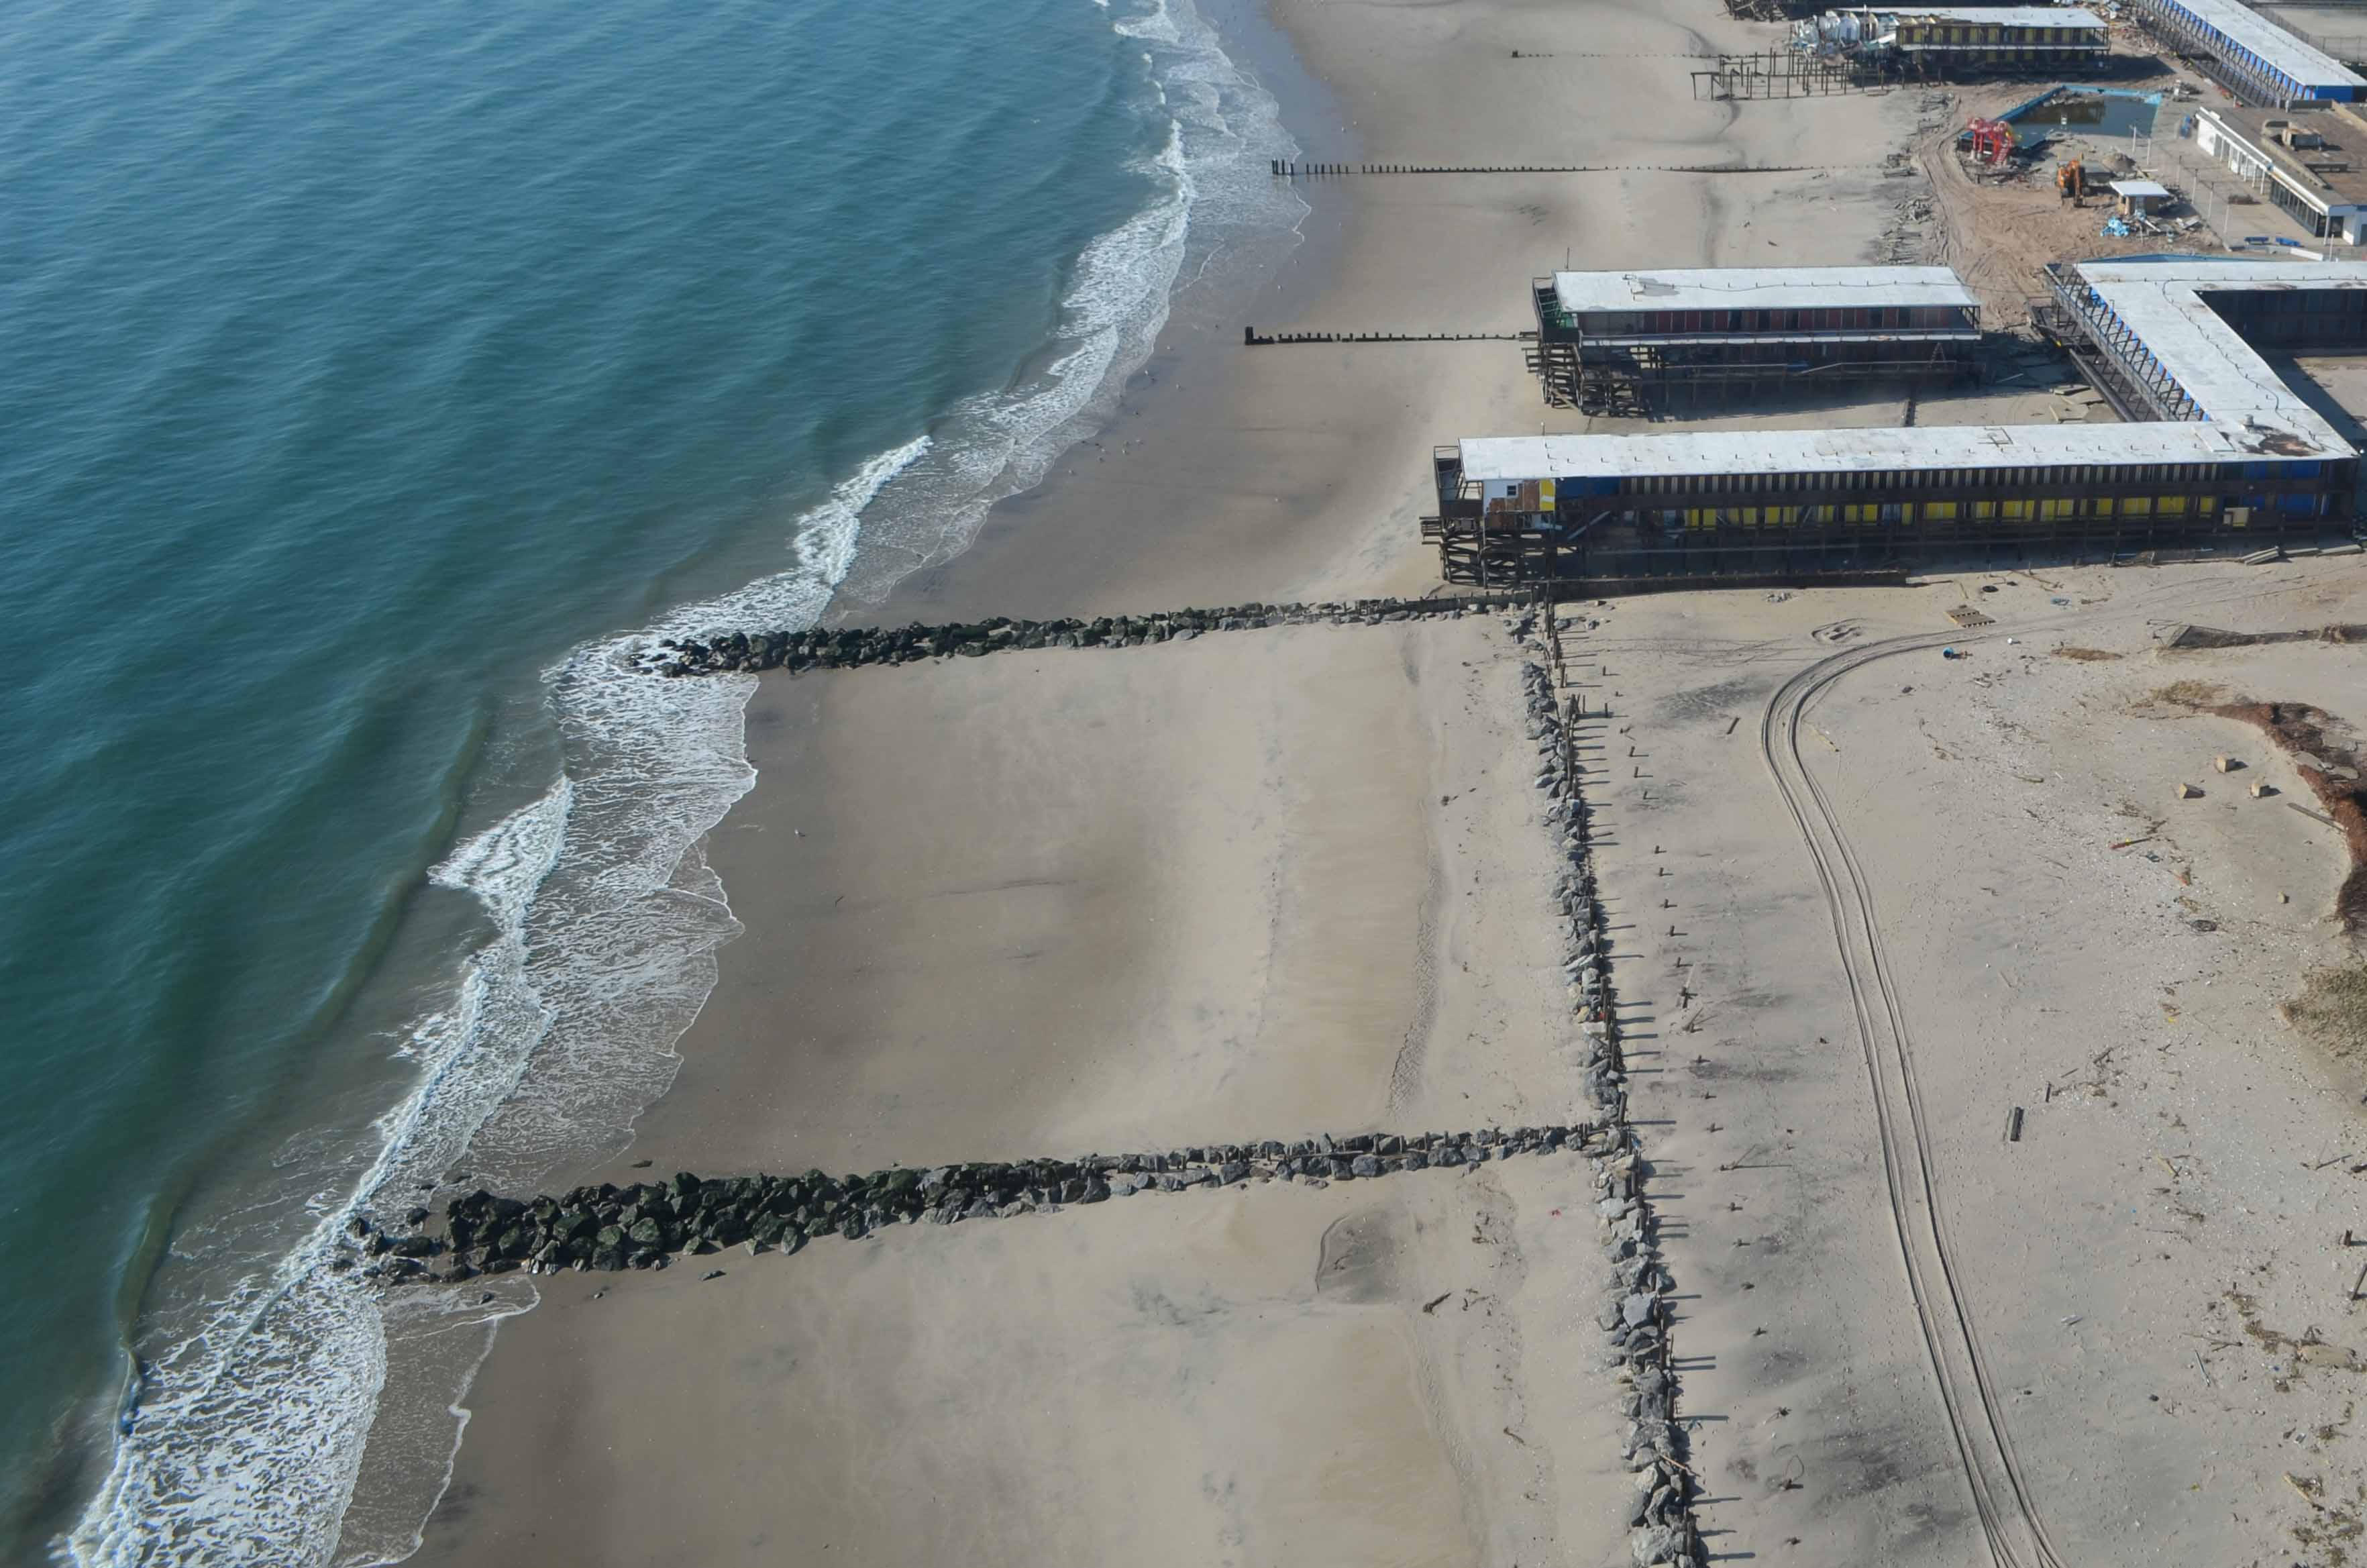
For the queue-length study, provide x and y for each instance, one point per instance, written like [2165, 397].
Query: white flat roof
[2251, 415]
[2138, 188]
[1760, 289]
[1523, 457]
[1996, 15]
[2310, 67]
[2160, 302]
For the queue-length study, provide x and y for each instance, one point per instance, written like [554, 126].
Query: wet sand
[1272, 883]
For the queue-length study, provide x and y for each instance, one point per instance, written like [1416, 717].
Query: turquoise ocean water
[376, 379]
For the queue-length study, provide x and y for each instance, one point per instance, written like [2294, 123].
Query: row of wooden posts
[1252, 338]
[1286, 168]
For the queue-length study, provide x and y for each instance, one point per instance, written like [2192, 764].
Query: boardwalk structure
[2252, 55]
[1954, 42]
[1619, 341]
[2219, 453]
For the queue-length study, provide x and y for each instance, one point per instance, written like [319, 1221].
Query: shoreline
[1184, 896]
[422, 1377]
[394, 1429]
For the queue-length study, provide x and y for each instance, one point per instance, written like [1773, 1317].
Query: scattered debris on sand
[2327, 754]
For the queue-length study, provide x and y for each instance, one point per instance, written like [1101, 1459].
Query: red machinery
[1992, 141]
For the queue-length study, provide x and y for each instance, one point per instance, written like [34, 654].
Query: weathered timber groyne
[1252, 338]
[1634, 1313]
[1288, 169]
[848, 647]
[647, 1224]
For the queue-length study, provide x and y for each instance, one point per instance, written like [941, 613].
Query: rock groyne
[1634, 1311]
[647, 1224]
[840, 648]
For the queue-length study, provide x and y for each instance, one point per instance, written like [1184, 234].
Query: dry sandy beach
[1251, 886]
[2139, 1264]
[1272, 883]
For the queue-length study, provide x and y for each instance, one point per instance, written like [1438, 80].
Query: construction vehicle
[2071, 183]
[1991, 141]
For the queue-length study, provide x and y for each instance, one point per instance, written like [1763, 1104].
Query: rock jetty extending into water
[647, 1223]
[848, 647]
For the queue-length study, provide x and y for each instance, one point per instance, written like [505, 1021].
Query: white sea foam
[1157, 23]
[1215, 199]
[310, 1420]
[251, 1432]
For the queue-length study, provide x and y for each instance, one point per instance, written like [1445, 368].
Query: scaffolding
[1785, 74]
[2132, 377]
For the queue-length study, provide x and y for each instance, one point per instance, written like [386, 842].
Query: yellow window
[2171, 506]
[1984, 509]
[2103, 507]
[2138, 507]
[1939, 511]
[2017, 510]
[2052, 510]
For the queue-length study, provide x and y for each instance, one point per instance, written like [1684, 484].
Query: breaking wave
[311, 1418]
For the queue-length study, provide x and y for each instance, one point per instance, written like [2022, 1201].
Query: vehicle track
[2016, 1537]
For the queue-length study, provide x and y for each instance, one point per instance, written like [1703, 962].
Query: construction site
[1802, 1006]
[2105, 231]
[2213, 447]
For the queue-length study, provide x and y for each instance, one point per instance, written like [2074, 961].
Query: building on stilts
[1624, 342]
[2216, 453]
